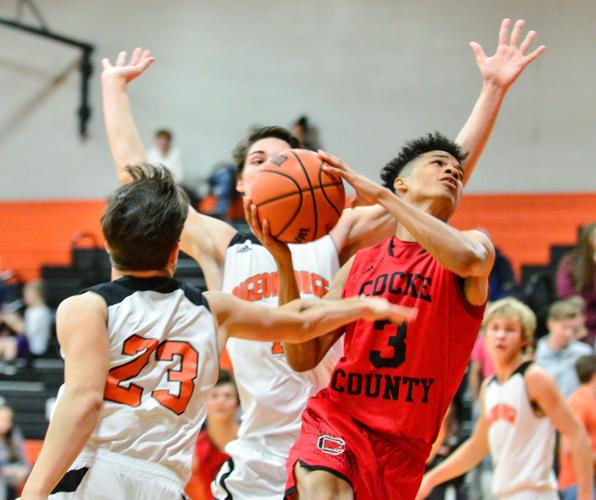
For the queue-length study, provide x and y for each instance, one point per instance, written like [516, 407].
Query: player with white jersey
[142, 351]
[272, 393]
[521, 407]
[209, 242]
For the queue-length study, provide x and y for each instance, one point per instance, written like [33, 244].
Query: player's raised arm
[467, 456]
[542, 389]
[82, 332]
[304, 321]
[203, 238]
[499, 72]
[288, 287]
[467, 254]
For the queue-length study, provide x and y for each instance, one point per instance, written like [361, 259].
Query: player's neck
[165, 273]
[221, 432]
[504, 369]
[403, 234]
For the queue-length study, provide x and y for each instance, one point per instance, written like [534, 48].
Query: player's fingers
[105, 62]
[405, 313]
[266, 231]
[536, 54]
[334, 171]
[527, 42]
[246, 207]
[121, 58]
[478, 51]
[255, 219]
[136, 56]
[504, 31]
[329, 158]
[145, 63]
[516, 32]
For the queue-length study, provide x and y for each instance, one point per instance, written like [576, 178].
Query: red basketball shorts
[377, 465]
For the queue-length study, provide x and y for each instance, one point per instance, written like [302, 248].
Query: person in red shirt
[582, 403]
[222, 426]
[369, 433]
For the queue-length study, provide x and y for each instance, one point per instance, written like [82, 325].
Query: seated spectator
[502, 279]
[577, 276]
[558, 351]
[583, 404]
[32, 332]
[221, 428]
[163, 153]
[13, 462]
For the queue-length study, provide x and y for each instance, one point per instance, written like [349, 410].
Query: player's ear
[240, 185]
[400, 185]
[107, 247]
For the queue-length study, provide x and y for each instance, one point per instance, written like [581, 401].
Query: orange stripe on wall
[34, 233]
[523, 225]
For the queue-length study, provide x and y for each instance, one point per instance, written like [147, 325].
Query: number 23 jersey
[400, 379]
[163, 361]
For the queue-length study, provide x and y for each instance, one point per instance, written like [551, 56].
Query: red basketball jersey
[400, 379]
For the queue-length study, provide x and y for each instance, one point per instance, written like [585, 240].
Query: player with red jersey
[369, 433]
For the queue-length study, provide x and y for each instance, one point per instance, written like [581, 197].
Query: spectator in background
[501, 281]
[13, 462]
[163, 153]
[577, 276]
[583, 404]
[306, 133]
[32, 332]
[221, 428]
[558, 351]
[481, 366]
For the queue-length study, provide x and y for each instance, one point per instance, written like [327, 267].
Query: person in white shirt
[33, 331]
[163, 153]
[521, 407]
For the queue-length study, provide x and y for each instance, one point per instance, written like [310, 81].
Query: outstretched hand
[367, 191]
[138, 63]
[510, 60]
[277, 248]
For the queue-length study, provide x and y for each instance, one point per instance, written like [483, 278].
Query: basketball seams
[323, 188]
[312, 193]
[297, 192]
[293, 193]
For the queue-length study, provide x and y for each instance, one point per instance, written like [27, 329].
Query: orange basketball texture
[299, 199]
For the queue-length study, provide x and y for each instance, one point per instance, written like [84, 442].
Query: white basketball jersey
[272, 395]
[521, 443]
[163, 361]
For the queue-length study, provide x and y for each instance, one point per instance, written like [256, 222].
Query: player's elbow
[473, 262]
[578, 438]
[89, 402]
[299, 363]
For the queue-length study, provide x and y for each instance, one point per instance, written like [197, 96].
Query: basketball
[299, 199]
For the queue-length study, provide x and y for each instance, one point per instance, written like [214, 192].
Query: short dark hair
[164, 132]
[144, 219]
[585, 367]
[413, 149]
[225, 377]
[241, 150]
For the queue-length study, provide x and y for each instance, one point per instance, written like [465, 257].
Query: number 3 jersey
[163, 361]
[395, 379]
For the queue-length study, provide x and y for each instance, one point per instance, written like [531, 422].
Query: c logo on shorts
[331, 445]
